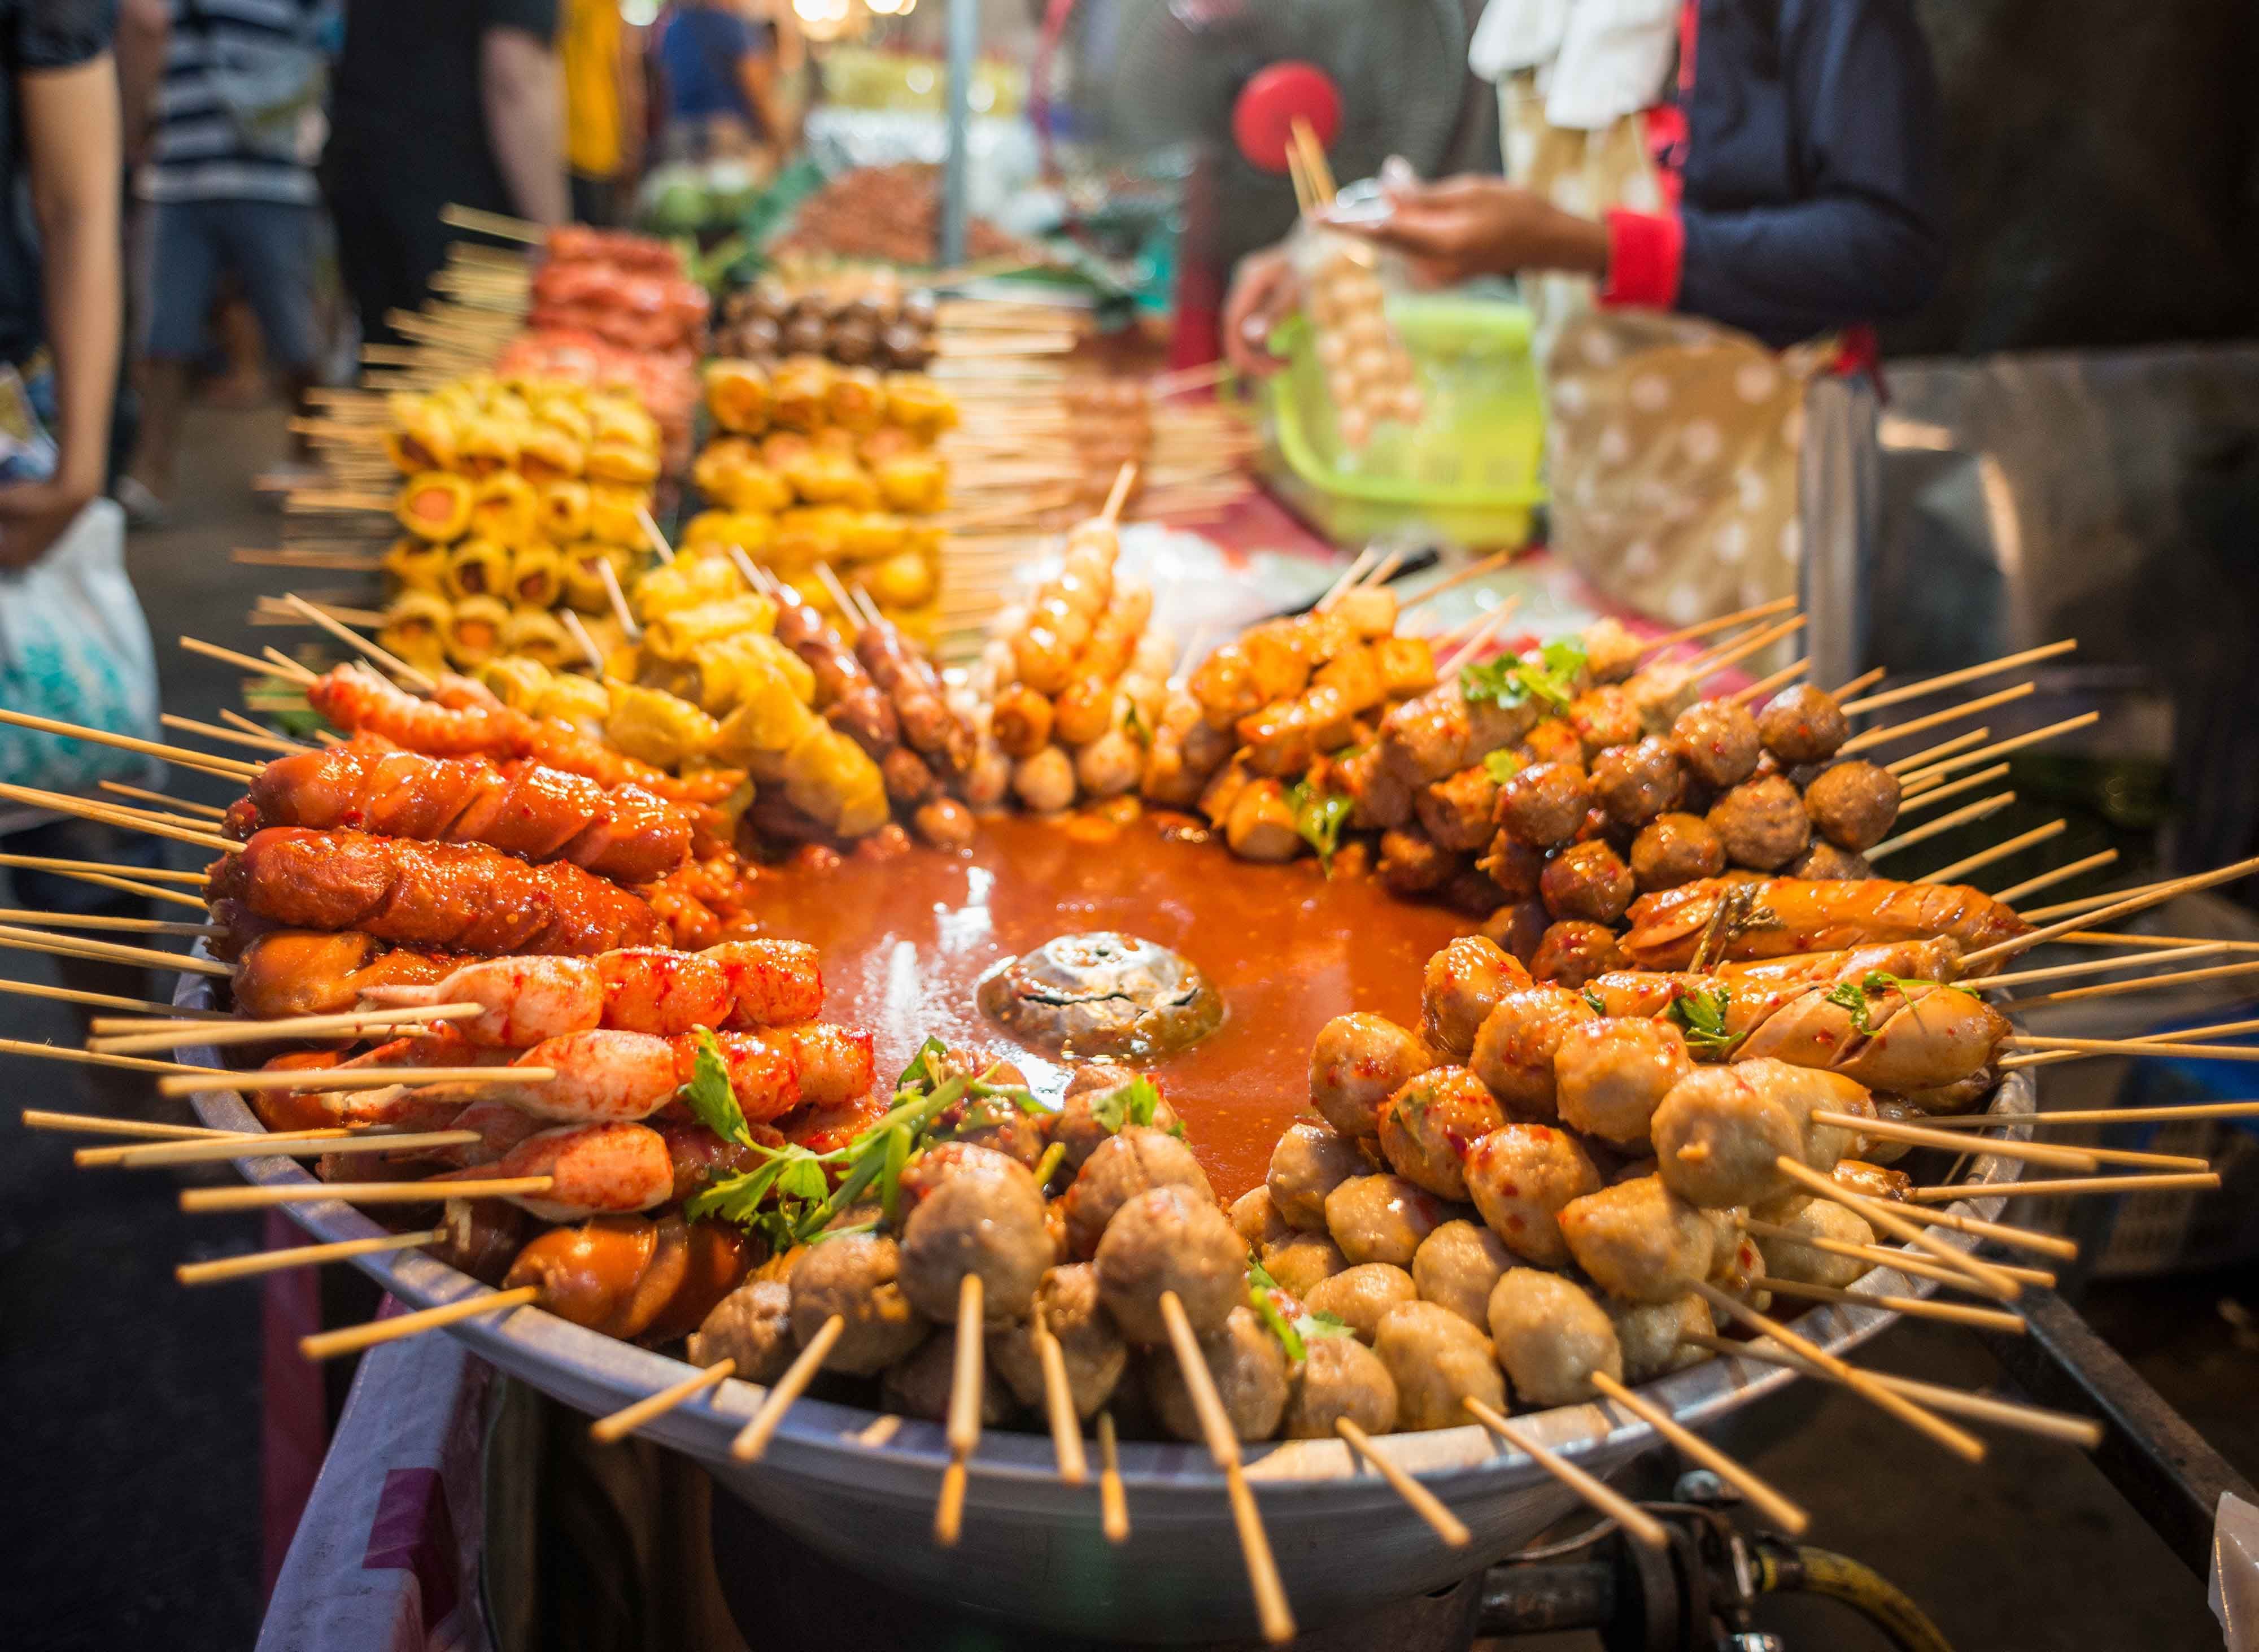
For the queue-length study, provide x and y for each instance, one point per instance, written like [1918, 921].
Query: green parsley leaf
[1135, 1102]
[1492, 682]
[709, 1096]
[1550, 673]
[1701, 1016]
[1263, 1294]
[1318, 1323]
[1319, 817]
[734, 1197]
[1851, 997]
[920, 1071]
[1140, 730]
[800, 1176]
[1594, 1002]
[1502, 766]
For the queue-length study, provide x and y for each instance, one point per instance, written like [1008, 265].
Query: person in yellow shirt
[603, 59]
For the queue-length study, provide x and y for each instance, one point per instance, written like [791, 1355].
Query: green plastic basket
[1468, 473]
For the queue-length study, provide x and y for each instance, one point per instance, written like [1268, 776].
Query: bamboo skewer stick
[2053, 1425]
[2155, 897]
[573, 623]
[148, 875]
[1638, 1525]
[2069, 869]
[94, 1124]
[1763, 639]
[237, 720]
[282, 660]
[2184, 1042]
[1937, 795]
[137, 1038]
[1113, 1501]
[1784, 1514]
[1955, 679]
[1481, 635]
[1919, 772]
[753, 1439]
[1476, 570]
[227, 767]
[229, 736]
[133, 814]
[2108, 1115]
[1890, 1130]
[1764, 685]
[1959, 1441]
[1864, 680]
[2169, 1180]
[618, 599]
[2139, 1047]
[1118, 495]
[1350, 575]
[254, 1145]
[2088, 903]
[237, 1140]
[2044, 1245]
[1712, 627]
[262, 1261]
[94, 921]
[1878, 1215]
[1915, 1308]
[80, 1057]
[1945, 822]
[1271, 1607]
[2001, 851]
[391, 662]
[1884, 736]
[194, 833]
[143, 795]
[354, 1338]
[1058, 1401]
[202, 1200]
[83, 873]
[624, 1421]
[964, 1420]
[357, 1078]
[2147, 983]
[106, 952]
[1905, 765]
[1889, 1256]
[1422, 1502]
[101, 1000]
[2103, 965]
[2111, 938]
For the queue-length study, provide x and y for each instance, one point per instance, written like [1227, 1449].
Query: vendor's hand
[33, 516]
[1264, 290]
[1459, 228]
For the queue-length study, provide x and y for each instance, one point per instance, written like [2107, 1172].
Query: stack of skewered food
[865, 320]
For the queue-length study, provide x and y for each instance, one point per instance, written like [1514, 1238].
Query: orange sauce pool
[905, 941]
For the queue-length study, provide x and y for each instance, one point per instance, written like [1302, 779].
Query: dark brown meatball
[1456, 810]
[1675, 849]
[1552, 741]
[1603, 717]
[1574, 951]
[1544, 805]
[1586, 880]
[1514, 866]
[1636, 783]
[1853, 804]
[1717, 740]
[1514, 1050]
[1414, 863]
[1519, 928]
[1802, 724]
[1824, 860]
[1460, 988]
[1762, 824]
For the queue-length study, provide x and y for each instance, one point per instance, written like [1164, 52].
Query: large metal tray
[1032, 1551]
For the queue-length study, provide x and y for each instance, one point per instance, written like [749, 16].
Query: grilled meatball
[1340, 1377]
[1519, 930]
[1456, 1266]
[1802, 724]
[1356, 1062]
[752, 1325]
[1456, 810]
[1302, 1260]
[1381, 1218]
[1076, 1125]
[1611, 652]
[1718, 741]
[1414, 863]
[1090, 1346]
[1634, 784]
[1675, 849]
[1360, 1296]
[1459, 986]
[921, 1386]
[1652, 1335]
[1438, 1362]
[1381, 798]
[1719, 1131]
[1639, 1240]
[857, 1275]
[1852, 804]
[1762, 824]
[1514, 1050]
[1824, 860]
[1586, 880]
[1308, 1163]
[1170, 1238]
[1256, 1219]
[1572, 952]
[1822, 1219]
[1603, 717]
[1513, 865]
[1544, 805]
[1250, 1369]
[1737, 1267]
[1427, 1127]
[985, 1218]
[1611, 1074]
[1552, 741]
[1550, 1336]
[1520, 1178]
[1121, 1168]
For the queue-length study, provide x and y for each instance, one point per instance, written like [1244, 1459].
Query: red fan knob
[1262, 118]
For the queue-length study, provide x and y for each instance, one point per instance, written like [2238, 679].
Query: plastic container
[1468, 473]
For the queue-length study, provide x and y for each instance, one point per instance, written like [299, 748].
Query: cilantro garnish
[1319, 817]
[1853, 996]
[1135, 1102]
[919, 1072]
[1502, 766]
[1550, 673]
[1263, 1293]
[1140, 730]
[709, 1096]
[1701, 1016]
[1594, 1002]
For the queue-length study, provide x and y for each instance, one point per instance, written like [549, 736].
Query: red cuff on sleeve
[1644, 250]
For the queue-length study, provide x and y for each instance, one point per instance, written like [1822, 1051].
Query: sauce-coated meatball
[1761, 822]
[856, 1277]
[1167, 1239]
[1459, 987]
[920, 1387]
[1090, 1347]
[1438, 1362]
[1521, 1179]
[986, 1220]
[1611, 1074]
[752, 1325]
[1612, 654]
[1519, 928]
[1122, 1167]
[1250, 1369]
[1414, 863]
[1544, 805]
[1301, 1261]
[1550, 1336]
[1824, 860]
[1456, 1266]
[1586, 880]
[1256, 1219]
[1822, 1219]
[1675, 849]
[1639, 1240]
[1340, 1377]
[1514, 1050]
[1308, 1163]
[1356, 1062]
[1517, 868]
[1652, 1335]
[1853, 803]
[1603, 717]
[1456, 810]
[1427, 1127]
[1802, 724]
[1720, 1131]
[1717, 740]
[1574, 951]
[1633, 784]
[1381, 1218]
[1358, 1297]
[1077, 1125]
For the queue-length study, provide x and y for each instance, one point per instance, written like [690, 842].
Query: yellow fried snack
[585, 591]
[561, 511]
[676, 636]
[423, 433]
[478, 567]
[486, 444]
[916, 484]
[417, 565]
[780, 448]
[686, 582]
[474, 631]
[855, 400]
[616, 514]
[658, 728]
[536, 634]
[798, 392]
[749, 531]
[519, 683]
[919, 405]
[548, 454]
[903, 581]
[415, 627]
[537, 574]
[582, 702]
[738, 395]
[622, 462]
[867, 536]
[434, 505]
[503, 509]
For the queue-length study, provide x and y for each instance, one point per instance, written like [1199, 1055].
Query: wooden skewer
[1958, 1441]
[2047, 880]
[95, 921]
[1864, 680]
[106, 952]
[1757, 644]
[880, 1432]
[1723, 622]
[384, 657]
[254, 1032]
[260, 1262]
[143, 795]
[92, 1124]
[237, 1140]
[618, 599]
[2139, 1047]
[1113, 1501]
[99, 1001]
[132, 1064]
[282, 660]
[151, 874]
[2001, 850]
[1788, 1516]
[1886, 1257]
[2088, 903]
[2107, 937]
[753, 1439]
[1271, 1607]
[296, 673]
[1314, 157]
[1945, 822]
[129, 886]
[231, 737]
[353, 1339]
[1058, 1401]
[964, 1424]
[1640, 1525]
[1890, 1130]
[2147, 983]
[624, 1421]
[2077, 1185]
[1983, 1276]
[1922, 773]
[1884, 736]
[1305, 201]
[1124, 479]
[2138, 903]
[1906, 765]
[255, 1146]
[1780, 679]
[573, 623]
[113, 815]
[1955, 679]
[1701, 664]
[227, 767]
[652, 536]
[237, 720]
[2103, 965]
[1481, 635]
[1349, 576]
[1937, 795]
[197, 1201]
[1475, 569]
[1423, 1502]
[2186, 1041]
[2109, 1115]
[2044, 1245]
[2053, 1425]
[358, 1078]
[1917, 1307]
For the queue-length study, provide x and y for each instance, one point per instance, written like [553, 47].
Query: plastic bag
[74, 646]
[1346, 283]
